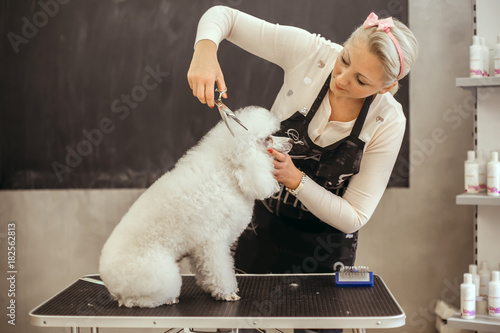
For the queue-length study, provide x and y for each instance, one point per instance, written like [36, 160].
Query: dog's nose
[288, 146]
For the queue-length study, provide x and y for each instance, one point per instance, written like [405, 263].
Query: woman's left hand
[285, 172]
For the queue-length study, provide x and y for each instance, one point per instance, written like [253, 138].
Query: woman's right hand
[205, 71]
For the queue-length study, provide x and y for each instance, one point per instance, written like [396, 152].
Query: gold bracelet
[302, 182]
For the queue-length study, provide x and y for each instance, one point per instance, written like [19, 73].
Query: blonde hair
[381, 45]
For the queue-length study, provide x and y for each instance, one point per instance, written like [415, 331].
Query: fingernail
[225, 95]
[270, 151]
[211, 106]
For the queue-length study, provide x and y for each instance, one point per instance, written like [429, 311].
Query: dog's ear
[252, 164]
[253, 170]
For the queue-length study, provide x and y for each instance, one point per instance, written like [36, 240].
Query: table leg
[75, 329]
[284, 330]
[94, 330]
[200, 330]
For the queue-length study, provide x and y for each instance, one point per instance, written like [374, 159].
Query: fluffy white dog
[198, 209]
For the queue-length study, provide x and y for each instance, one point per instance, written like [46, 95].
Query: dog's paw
[230, 298]
[233, 297]
[172, 301]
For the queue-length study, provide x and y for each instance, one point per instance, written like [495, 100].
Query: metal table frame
[169, 316]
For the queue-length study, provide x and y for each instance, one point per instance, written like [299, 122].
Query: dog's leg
[193, 265]
[215, 267]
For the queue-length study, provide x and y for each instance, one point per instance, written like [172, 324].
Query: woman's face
[357, 73]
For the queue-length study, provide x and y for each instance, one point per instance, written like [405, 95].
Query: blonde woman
[337, 104]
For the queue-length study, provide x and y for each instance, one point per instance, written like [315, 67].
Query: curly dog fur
[198, 210]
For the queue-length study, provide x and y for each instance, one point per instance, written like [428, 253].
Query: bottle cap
[494, 156]
[475, 40]
[467, 278]
[471, 155]
[484, 266]
[480, 154]
[473, 269]
[495, 276]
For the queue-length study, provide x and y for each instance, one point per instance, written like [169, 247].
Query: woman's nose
[342, 79]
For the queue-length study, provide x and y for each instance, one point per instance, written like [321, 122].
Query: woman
[337, 104]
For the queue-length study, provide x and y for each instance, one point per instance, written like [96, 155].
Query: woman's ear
[388, 88]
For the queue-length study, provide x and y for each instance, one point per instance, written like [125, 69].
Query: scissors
[225, 112]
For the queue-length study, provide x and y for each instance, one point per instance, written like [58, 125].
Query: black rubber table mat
[261, 296]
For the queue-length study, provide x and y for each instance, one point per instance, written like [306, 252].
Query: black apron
[284, 236]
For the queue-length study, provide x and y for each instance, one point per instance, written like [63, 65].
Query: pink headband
[386, 25]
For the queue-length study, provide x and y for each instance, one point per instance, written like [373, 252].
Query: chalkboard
[94, 93]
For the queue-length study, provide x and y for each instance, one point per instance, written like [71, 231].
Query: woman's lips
[337, 86]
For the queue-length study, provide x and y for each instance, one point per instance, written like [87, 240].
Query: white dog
[198, 209]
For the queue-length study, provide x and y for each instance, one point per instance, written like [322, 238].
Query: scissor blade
[223, 108]
[238, 121]
[224, 117]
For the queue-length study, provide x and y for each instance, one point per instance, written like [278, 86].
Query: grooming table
[267, 301]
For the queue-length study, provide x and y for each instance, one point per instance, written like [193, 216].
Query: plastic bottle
[494, 294]
[497, 57]
[481, 161]
[484, 278]
[471, 173]
[486, 57]
[493, 175]
[467, 298]
[476, 58]
[475, 277]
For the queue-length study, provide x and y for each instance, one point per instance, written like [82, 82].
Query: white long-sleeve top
[307, 59]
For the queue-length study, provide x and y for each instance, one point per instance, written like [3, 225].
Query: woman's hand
[205, 71]
[285, 171]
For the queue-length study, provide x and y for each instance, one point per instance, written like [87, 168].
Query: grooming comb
[354, 276]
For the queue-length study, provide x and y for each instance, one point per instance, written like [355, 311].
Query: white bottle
[494, 294]
[476, 58]
[482, 171]
[497, 57]
[493, 175]
[471, 173]
[467, 298]
[475, 277]
[486, 57]
[484, 278]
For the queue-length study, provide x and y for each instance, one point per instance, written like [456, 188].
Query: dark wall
[94, 93]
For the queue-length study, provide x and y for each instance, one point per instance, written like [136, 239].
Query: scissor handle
[220, 93]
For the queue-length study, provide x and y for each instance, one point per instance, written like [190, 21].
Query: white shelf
[475, 82]
[477, 199]
[483, 323]
[486, 117]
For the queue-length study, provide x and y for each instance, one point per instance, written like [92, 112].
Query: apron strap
[319, 99]
[360, 121]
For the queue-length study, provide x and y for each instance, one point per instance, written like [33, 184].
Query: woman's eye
[361, 83]
[343, 60]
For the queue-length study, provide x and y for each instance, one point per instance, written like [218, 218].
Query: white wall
[418, 240]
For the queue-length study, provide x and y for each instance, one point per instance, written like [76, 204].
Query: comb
[354, 276]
